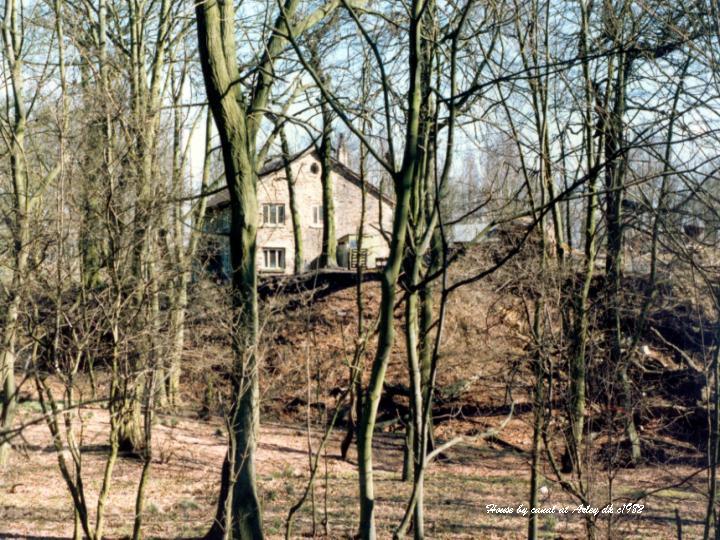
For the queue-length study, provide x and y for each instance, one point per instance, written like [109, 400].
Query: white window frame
[274, 258]
[271, 214]
[317, 217]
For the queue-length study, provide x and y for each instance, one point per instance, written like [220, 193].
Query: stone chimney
[341, 154]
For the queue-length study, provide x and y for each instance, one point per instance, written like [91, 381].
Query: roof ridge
[275, 163]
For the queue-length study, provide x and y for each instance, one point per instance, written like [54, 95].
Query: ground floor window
[274, 258]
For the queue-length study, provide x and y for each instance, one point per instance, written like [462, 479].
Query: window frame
[278, 254]
[271, 214]
[318, 216]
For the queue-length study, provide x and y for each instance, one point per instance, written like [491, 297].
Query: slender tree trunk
[146, 91]
[22, 202]
[329, 244]
[150, 393]
[7, 373]
[615, 186]
[184, 257]
[538, 399]
[328, 256]
[415, 422]
[578, 360]
[372, 399]
[538, 403]
[714, 449]
[177, 324]
[426, 323]
[386, 330]
[294, 212]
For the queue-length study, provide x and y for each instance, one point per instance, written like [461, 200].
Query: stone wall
[308, 191]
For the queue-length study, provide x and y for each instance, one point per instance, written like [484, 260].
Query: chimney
[341, 153]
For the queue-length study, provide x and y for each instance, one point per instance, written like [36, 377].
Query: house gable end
[273, 170]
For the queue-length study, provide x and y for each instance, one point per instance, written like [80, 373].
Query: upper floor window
[273, 214]
[317, 217]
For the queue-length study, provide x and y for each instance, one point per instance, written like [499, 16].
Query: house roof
[276, 163]
[468, 233]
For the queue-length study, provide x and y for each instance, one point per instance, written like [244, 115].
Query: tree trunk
[22, 202]
[177, 324]
[238, 118]
[415, 422]
[615, 172]
[184, 257]
[578, 360]
[7, 353]
[219, 526]
[217, 53]
[386, 330]
[329, 242]
[294, 212]
[328, 256]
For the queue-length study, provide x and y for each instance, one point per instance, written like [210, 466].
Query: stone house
[275, 240]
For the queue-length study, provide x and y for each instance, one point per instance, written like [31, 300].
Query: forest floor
[308, 342]
[35, 503]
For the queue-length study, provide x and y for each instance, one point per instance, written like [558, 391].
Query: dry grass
[180, 502]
